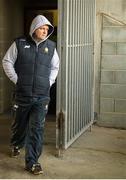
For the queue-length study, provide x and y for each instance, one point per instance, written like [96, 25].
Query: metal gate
[75, 80]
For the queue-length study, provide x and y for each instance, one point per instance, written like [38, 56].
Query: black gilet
[33, 66]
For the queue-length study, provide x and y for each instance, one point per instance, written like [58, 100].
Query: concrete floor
[100, 153]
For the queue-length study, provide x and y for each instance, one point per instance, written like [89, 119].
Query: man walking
[32, 64]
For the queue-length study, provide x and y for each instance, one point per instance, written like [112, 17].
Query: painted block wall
[113, 75]
[110, 64]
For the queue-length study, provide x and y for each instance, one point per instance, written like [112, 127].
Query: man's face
[42, 32]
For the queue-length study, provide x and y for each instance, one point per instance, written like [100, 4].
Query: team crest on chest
[46, 50]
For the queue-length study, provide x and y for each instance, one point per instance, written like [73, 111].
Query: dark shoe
[36, 169]
[15, 152]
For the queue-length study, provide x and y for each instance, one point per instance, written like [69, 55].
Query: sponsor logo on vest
[27, 46]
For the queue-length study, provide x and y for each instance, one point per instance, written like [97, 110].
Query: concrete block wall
[11, 26]
[113, 75]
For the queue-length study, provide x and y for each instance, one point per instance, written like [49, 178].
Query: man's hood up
[40, 21]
